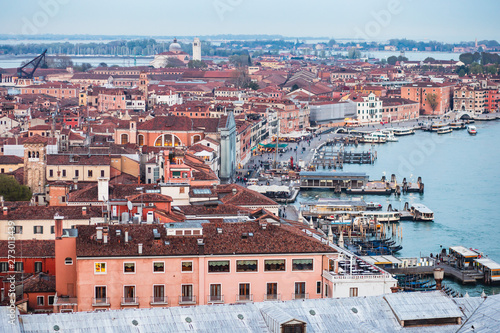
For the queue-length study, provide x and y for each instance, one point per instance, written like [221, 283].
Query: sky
[372, 20]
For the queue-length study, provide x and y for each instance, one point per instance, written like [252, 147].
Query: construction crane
[28, 70]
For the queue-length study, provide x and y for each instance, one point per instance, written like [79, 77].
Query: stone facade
[35, 162]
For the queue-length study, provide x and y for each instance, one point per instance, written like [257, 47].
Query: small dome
[175, 47]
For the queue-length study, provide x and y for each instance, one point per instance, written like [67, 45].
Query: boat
[382, 216]
[403, 131]
[472, 130]
[371, 138]
[373, 206]
[457, 125]
[389, 135]
[444, 130]
[437, 127]
[421, 213]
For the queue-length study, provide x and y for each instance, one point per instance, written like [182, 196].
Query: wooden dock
[464, 276]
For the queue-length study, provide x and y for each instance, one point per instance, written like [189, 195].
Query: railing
[272, 297]
[244, 298]
[375, 276]
[159, 300]
[60, 300]
[300, 296]
[187, 299]
[215, 299]
[130, 301]
[100, 301]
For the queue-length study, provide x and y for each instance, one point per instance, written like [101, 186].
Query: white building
[369, 109]
[196, 49]
[166, 97]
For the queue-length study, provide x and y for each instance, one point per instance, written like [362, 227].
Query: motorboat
[444, 130]
[403, 131]
[421, 213]
[472, 130]
[389, 135]
[373, 206]
[371, 138]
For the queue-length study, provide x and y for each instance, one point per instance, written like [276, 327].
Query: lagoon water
[461, 174]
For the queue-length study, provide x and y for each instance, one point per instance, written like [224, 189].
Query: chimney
[98, 233]
[59, 227]
[139, 248]
[84, 211]
[235, 191]
[126, 235]
[5, 210]
[105, 235]
[103, 189]
[201, 246]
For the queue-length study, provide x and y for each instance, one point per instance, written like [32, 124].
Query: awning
[277, 262]
[273, 145]
[219, 263]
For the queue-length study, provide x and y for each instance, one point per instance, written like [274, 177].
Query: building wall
[34, 167]
[83, 172]
[419, 93]
[28, 228]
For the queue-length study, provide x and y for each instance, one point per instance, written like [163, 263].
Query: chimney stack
[59, 227]
[126, 235]
[103, 189]
[84, 211]
[98, 233]
[438, 276]
[139, 248]
[201, 246]
[5, 210]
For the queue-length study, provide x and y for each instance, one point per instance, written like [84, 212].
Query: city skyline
[367, 20]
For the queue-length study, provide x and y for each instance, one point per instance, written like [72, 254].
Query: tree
[103, 64]
[83, 67]
[59, 62]
[466, 58]
[432, 100]
[353, 53]
[429, 59]
[11, 190]
[461, 72]
[196, 64]
[392, 60]
[253, 85]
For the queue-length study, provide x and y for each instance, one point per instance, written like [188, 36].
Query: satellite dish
[129, 205]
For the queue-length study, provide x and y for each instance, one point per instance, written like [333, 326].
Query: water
[10, 61]
[462, 187]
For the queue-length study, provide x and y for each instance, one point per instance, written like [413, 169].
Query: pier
[463, 276]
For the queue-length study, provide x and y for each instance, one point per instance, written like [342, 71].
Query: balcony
[127, 301]
[272, 297]
[300, 296]
[100, 301]
[244, 298]
[183, 300]
[159, 300]
[63, 300]
[213, 299]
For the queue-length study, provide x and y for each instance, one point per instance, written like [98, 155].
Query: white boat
[403, 131]
[389, 135]
[472, 130]
[421, 213]
[457, 125]
[382, 216]
[373, 206]
[437, 127]
[371, 138]
[444, 130]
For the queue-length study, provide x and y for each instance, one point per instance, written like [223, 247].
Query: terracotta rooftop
[10, 159]
[48, 213]
[33, 248]
[234, 239]
[40, 282]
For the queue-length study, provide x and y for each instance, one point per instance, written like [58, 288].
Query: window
[272, 291]
[244, 292]
[18, 229]
[215, 293]
[158, 267]
[176, 174]
[69, 261]
[38, 229]
[77, 173]
[274, 265]
[90, 173]
[4, 267]
[221, 266]
[100, 294]
[129, 267]
[51, 173]
[302, 265]
[353, 292]
[181, 190]
[149, 169]
[38, 266]
[187, 266]
[318, 287]
[246, 265]
[300, 290]
[64, 173]
[51, 300]
[293, 328]
[100, 268]
[102, 173]
[52, 229]
[158, 293]
[19, 266]
[326, 290]
[40, 300]
[129, 293]
[187, 293]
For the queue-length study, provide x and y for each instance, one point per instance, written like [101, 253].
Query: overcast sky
[379, 20]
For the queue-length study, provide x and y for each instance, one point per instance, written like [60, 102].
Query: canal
[461, 174]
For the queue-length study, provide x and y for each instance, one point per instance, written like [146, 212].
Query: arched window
[124, 139]
[140, 140]
[37, 154]
[29, 154]
[168, 140]
[196, 138]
